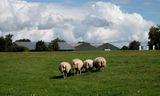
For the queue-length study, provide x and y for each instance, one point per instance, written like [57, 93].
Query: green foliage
[134, 45]
[2, 44]
[59, 40]
[53, 45]
[8, 42]
[124, 48]
[7, 45]
[41, 46]
[23, 40]
[16, 48]
[154, 37]
[82, 42]
[128, 73]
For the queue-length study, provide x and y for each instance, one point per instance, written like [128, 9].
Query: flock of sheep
[77, 65]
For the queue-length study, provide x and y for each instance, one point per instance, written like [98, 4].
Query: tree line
[52, 46]
[7, 45]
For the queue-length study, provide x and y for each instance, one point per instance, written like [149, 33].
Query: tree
[124, 48]
[154, 37]
[8, 42]
[53, 45]
[40, 46]
[16, 48]
[59, 40]
[82, 42]
[2, 44]
[7, 45]
[23, 40]
[134, 45]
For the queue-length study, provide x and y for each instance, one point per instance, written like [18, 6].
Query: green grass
[129, 73]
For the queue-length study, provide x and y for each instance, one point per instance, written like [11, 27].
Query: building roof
[29, 45]
[32, 45]
[85, 47]
[65, 46]
[107, 46]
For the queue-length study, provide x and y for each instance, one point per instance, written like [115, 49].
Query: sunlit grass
[129, 73]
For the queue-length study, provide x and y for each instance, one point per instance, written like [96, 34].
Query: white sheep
[77, 66]
[99, 63]
[88, 64]
[64, 68]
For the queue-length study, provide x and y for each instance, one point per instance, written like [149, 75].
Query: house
[63, 46]
[107, 47]
[85, 47]
[30, 45]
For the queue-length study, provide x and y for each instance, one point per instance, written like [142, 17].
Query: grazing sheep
[65, 68]
[77, 65]
[88, 64]
[99, 63]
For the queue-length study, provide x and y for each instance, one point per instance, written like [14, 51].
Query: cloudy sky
[92, 21]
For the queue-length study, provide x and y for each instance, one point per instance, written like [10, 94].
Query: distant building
[140, 47]
[30, 45]
[107, 47]
[154, 47]
[85, 47]
[63, 46]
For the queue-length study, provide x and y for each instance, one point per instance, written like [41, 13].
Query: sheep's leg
[74, 71]
[83, 68]
[63, 74]
[94, 68]
[69, 73]
[90, 68]
[77, 72]
[102, 68]
[80, 72]
[99, 68]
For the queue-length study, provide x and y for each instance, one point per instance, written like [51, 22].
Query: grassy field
[129, 73]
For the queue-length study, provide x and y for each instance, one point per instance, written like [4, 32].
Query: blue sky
[149, 9]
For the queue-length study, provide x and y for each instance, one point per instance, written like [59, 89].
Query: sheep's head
[62, 68]
[86, 65]
[73, 65]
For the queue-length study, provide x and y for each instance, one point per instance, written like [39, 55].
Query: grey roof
[29, 45]
[85, 47]
[65, 46]
[32, 45]
[107, 46]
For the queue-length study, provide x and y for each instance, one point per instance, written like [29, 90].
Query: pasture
[129, 73]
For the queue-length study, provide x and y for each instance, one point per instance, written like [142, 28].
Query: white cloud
[97, 23]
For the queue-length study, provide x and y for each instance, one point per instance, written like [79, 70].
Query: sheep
[77, 66]
[64, 68]
[88, 64]
[99, 63]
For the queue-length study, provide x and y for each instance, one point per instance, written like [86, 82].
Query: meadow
[128, 73]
